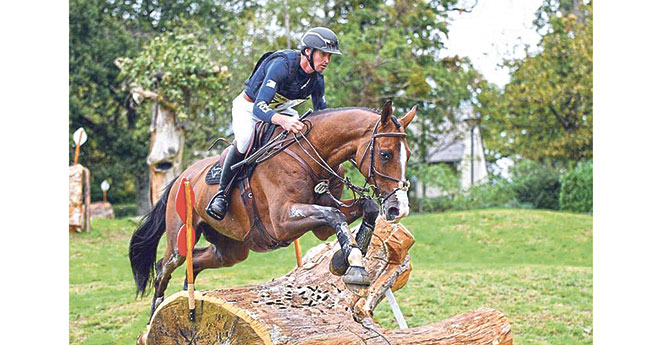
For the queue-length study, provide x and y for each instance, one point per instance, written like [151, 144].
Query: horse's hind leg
[164, 269]
[222, 252]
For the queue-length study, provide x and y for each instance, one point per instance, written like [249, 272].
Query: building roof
[450, 148]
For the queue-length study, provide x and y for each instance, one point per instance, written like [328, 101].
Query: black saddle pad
[213, 175]
[263, 132]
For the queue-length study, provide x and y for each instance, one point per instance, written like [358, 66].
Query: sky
[493, 31]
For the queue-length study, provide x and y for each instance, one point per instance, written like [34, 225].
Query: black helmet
[322, 39]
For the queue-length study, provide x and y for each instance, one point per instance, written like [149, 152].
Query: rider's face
[321, 60]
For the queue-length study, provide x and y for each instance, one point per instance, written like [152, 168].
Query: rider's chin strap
[310, 57]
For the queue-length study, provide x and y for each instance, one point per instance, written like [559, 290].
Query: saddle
[260, 136]
[263, 240]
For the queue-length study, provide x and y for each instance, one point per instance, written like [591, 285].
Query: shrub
[536, 184]
[577, 189]
[125, 210]
[496, 193]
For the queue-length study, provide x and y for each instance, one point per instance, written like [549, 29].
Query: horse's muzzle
[396, 207]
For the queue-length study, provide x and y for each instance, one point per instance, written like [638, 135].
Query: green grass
[535, 266]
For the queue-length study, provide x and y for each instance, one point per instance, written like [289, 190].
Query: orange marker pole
[189, 252]
[298, 252]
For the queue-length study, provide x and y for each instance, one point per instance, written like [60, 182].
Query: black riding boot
[217, 207]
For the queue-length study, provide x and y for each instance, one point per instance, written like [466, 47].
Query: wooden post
[298, 252]
[189, 252]
[75, 156]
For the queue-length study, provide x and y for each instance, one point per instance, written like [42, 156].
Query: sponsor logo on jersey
[280, 102]
[263, 106]
[271, 83]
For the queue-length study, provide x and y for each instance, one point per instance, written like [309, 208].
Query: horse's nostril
[392, 213]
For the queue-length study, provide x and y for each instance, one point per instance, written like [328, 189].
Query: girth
[258, 238]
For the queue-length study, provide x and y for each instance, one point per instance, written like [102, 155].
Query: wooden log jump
[309, 305]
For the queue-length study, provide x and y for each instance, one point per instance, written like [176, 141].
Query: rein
[280, 143]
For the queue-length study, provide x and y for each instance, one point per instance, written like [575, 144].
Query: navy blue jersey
[279, 83]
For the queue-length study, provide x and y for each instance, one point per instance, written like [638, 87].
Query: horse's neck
[337, 136]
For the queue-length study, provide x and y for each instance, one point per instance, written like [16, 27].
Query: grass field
[535, 266]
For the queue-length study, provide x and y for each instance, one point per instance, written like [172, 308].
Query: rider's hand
[289, 123]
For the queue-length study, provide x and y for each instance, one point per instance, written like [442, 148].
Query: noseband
[403, 185]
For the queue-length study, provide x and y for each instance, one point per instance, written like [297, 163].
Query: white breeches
[243, 121]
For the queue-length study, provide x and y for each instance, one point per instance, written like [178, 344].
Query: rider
[280, 81]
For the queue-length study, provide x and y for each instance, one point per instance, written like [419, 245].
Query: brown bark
[79, 198]
[311, 306]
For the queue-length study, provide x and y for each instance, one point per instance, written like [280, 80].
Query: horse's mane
[336, 110]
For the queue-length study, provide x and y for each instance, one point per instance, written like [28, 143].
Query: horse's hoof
[356, 275]
[338, 263]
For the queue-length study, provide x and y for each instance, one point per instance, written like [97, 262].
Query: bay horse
[285, 201]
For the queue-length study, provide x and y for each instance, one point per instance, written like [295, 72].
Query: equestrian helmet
[322, 39]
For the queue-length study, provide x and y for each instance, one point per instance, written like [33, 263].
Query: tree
[545, 113]
[101, 31]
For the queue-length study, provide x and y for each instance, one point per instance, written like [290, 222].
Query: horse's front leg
[369, 212]
[305, 216]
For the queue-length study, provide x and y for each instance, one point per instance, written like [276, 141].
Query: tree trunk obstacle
[309, 305]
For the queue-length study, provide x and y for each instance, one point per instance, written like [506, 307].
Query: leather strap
[251, 207]
[304, 164]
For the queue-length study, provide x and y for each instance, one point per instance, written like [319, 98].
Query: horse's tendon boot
[338, 263]
[363, 236]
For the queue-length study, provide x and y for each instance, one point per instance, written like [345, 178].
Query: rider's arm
[318, 95]
[275, 75]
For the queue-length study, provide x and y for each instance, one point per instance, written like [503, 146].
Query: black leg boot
[339, 263]
[217, 207]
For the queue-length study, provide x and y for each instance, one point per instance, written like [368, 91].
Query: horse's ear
[407, 119]
[386, 113]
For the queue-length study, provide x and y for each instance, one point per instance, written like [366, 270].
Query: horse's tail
[144, 242]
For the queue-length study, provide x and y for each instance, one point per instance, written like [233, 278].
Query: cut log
[309, 305]
[79, 198]
[102, 209]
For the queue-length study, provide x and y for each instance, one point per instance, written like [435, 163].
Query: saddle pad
[213, 175]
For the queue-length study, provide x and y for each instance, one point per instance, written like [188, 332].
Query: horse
[284, 199]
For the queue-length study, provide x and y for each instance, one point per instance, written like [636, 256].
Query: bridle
[403, 185]
[280, 144]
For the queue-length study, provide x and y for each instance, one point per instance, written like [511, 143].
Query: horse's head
[383, 159]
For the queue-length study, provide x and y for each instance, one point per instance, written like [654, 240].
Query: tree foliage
[178, 66]
[577, 188]
[545, 113]
[101, 31]
[392, 50]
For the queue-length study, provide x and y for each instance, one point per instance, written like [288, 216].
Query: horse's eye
[385, 155]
